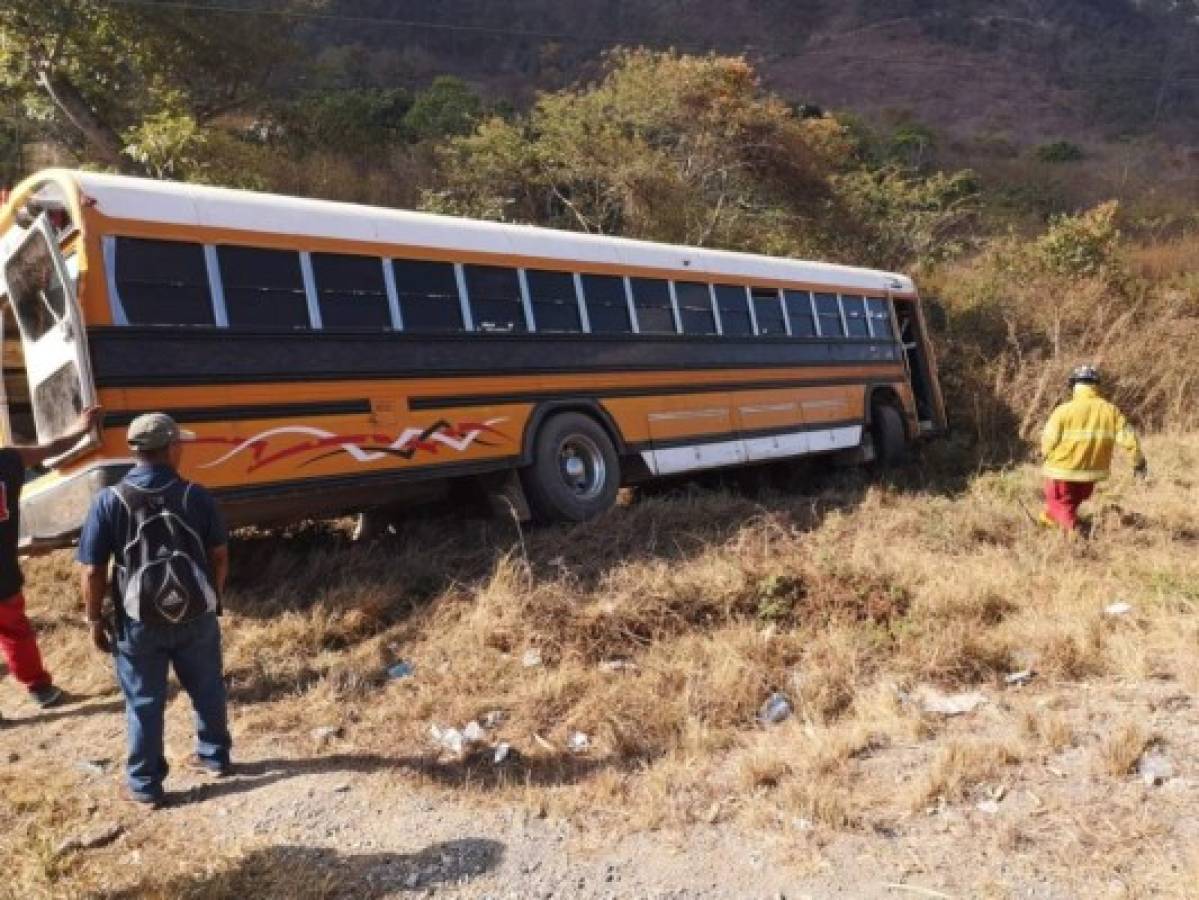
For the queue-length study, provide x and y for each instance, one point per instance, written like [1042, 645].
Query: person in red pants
[1077, 444]
[17, 641]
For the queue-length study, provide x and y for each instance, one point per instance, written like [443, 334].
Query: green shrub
[1059, 152]
[1082, 245]
[446, 108]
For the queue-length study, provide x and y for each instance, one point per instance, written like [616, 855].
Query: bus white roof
[177, 203]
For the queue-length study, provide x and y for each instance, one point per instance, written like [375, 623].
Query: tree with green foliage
[665, 146]
[356, 121]
[446, 108]
[166, 144]
[912, 144]
[11, 144]
[92, 70]
[691, 149]
[906, 219]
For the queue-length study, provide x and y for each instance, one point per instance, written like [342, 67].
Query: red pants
[19, 645]
[1062, 499]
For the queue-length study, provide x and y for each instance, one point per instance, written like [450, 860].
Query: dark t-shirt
[12, 479]
[105, 530]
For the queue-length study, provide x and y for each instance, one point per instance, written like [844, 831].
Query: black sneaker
[47, 695]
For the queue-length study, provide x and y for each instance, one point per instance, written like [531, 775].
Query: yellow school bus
[334, 358]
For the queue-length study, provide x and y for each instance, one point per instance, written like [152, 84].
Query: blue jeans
[143, 654]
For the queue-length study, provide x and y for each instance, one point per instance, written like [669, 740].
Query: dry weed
[828, 802]
[1046, 730]
[1119, 750]
[959, 766]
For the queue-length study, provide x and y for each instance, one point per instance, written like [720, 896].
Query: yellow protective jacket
[1080, 435]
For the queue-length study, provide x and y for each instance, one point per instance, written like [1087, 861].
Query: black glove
[1141, 470]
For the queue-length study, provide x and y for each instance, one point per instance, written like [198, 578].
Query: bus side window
[162, 282]
[799, 311]
[607, 306]
[855, 315]
[495, 302]
[734, 310]
[695, 307]
[879, 312]
[263, 288]
[769, 312]
[555, 306]
[350, 291]
[829, 311]
[428, 293]
[651, 297]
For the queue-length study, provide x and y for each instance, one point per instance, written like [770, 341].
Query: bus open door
[921, 366]
[41, 291]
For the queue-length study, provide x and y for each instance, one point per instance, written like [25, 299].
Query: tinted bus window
[879, 312]
[829, 311]
[651, 297]
[555, 306]
[351, 291]
[607, 308]
[769, 311]
[163, 283]
[799, 310]
[263, 288]
[428, 293]
[695, 307]
[855, 316]
[495, 302]
[734, 310]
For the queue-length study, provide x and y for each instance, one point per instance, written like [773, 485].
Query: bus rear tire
[575, 473]
[889, 436]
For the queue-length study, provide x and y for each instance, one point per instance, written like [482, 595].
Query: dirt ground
[865, 791]
[345, 823]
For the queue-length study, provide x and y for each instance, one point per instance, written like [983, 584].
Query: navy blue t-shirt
[104, 533]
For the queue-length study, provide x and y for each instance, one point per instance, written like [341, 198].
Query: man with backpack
[168, 543]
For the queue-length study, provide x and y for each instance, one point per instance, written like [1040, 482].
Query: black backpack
[162, 576]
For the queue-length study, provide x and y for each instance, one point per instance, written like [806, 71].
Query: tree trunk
[103, 140]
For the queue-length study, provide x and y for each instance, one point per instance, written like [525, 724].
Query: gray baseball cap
[153, 431]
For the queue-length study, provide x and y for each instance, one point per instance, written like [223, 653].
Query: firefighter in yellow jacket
[1077, 445]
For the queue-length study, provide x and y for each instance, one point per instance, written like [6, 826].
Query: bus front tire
[575, 473]
[889, 436]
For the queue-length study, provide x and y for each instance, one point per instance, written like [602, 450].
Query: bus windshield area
[34, 287]
[39, 301]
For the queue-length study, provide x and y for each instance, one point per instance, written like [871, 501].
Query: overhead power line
[661, 41]
[184, 6]
[419, 24]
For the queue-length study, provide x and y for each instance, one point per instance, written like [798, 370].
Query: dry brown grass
[844, 594]
[1163, 261]
[1120, 749]
[961, 765]
[1016, 325]
[1047, 731]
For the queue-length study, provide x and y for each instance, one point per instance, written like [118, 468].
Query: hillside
[1025, 70]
